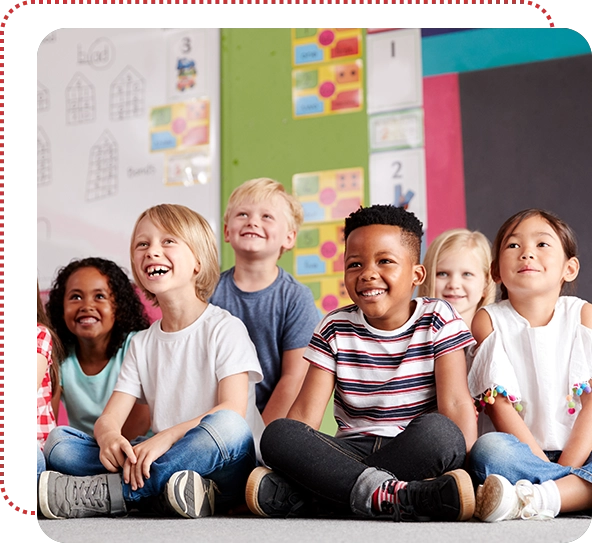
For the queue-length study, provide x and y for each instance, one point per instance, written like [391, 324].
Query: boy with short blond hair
[261, 222]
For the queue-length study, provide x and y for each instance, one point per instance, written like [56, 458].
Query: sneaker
[67, 496]
[270, 495]
[449, 497]
[498, 499]
[189, 495]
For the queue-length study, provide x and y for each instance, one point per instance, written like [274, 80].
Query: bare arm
[314, 395]
[55, 400]
[294, 369]
[452, 393]
[233, 394]
[41, 368]
[579, 444]
[502, 413]
[114, 447]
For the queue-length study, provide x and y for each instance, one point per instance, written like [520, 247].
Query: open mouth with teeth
[154, 271]
[373, 292]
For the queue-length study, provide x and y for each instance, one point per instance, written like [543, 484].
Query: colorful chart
[319, 250]
[315, 45]
[328, 292]
[327, 89]
[180, 126]
[329, 195]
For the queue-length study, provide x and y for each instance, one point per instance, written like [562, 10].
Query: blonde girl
[457, 264]
[532, 371]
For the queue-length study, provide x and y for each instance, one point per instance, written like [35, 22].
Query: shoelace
[525, 493]
[93, 492]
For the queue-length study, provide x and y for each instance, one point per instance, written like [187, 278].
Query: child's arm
[502, 413]
[452, 393]
[138, 422]
[233, 393]
[579, 444]
[114, 447]
[41, 369]
[286, 390]
[310, 404]
[55, 401]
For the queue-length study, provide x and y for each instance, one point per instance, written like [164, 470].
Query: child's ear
[226, 238]
[290, 240]
[572, 269]
[419, 274]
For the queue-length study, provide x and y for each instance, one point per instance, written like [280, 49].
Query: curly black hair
[130, 314]
[410, 225]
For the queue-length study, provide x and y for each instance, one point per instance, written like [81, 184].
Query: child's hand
[146, 452]
[115, 452]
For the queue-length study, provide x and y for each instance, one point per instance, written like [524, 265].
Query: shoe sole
[44, 497]
[182, 493]
[489, 496]
[466, 494]
[252, 490]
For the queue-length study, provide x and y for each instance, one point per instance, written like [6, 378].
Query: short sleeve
[319, 352]
[129, 377]
[44, 345]
[491, 367]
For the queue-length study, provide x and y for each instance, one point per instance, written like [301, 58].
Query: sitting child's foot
[67, 496]
[449, 497]
[270, 495]
[498, 499]
[189, 495]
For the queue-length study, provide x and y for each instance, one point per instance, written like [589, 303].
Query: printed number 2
[186, 45]
[397, 169]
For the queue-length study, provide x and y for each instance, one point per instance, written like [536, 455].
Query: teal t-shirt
[85, 396]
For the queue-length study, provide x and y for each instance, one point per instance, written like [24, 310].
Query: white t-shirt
[177, 373]
[538, 366]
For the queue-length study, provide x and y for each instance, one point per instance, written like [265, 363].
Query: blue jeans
[503, 454]
[344, 472]
[40, 462]
[220, 448]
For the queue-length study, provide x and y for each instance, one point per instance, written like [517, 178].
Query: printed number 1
[392, 49]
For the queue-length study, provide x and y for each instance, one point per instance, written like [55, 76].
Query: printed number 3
[185, 45]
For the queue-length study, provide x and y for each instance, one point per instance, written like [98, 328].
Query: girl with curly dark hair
[95, 312]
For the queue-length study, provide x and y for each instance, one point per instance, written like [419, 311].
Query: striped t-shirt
[384, 379]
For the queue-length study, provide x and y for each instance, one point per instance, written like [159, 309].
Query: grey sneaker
[67, 496]
[189, 495]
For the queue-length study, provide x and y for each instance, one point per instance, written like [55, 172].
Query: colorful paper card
[327, 89]
[188, 168]
[328, 292]
[315, 45]
[398, 130]
[319, 250]
[180, 126]
[329, 195]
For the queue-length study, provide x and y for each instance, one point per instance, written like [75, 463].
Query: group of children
[221, 400]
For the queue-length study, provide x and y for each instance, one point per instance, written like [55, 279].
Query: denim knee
[488, 451]
[229, 430]
[59, 447]
[40, 461]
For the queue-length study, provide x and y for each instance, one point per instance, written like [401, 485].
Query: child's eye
[353, 265]
[75, 297]
[542, 244]
[441, 274]
[513, 246]
[267, 216]
[141, 244]
[101, 297]
[468, 274]
[169, 241]
[385, 261]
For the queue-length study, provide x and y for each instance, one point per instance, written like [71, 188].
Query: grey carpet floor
[260, 530]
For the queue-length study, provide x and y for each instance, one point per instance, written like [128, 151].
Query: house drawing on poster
[80, 100]
[102, 168]
[126, 95]
[43, 158]
[42, 97]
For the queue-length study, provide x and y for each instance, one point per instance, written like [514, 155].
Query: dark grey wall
[527, 142]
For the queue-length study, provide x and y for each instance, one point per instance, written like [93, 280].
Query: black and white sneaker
[189, 495]
[67, 496]
[270, 495]
[449, 497]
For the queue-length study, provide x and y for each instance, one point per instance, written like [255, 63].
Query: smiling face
[460, 280]
[259, 229]
[89, 305]
[381, 274]
[163, 263]
[532, 260]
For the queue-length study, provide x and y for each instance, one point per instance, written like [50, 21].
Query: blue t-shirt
[279, 318]
[85, 396]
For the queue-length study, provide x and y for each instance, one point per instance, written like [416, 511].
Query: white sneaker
[497, 499]
[189, 495]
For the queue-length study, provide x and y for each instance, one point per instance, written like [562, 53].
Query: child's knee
[487, 449]
[229, 427]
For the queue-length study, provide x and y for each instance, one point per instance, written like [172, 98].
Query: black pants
[337, 470]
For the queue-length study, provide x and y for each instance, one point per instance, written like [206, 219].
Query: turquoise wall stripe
[485, 48]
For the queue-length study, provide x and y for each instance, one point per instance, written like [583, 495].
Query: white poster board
[95, 171]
